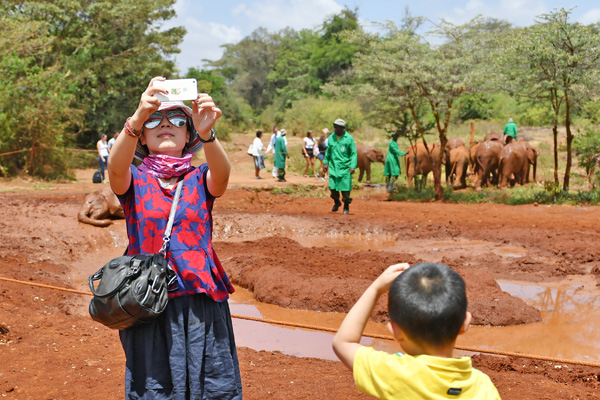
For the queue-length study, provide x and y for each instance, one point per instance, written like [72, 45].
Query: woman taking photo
[189, 351]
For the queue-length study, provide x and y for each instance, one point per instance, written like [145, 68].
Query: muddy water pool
[570, 308]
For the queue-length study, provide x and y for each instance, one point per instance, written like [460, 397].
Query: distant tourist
[320, 149]
[308, 145]
[102, 147]
[257, 153]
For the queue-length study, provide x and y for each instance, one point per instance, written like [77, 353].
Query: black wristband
[210, 139]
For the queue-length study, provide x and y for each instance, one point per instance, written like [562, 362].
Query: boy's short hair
[428, 302]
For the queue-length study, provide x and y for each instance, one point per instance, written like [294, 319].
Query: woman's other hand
[205, 113]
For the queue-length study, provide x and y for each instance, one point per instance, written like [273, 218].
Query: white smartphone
[178, 89]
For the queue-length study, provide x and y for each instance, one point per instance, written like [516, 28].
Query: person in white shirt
[308, 146]
[112, 140]
[102, 147]
[257, 153]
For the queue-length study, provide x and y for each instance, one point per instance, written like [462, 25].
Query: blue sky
[212, 24]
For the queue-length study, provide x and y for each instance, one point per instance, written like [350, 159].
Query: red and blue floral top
[190, 252]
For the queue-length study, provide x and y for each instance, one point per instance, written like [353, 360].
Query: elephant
[454, 142]
[365, 155]
[487, 158]
[424, 163]
[513, 164]
[451, 143]
[493, 136]
[532, 156]
[458, 163]
[100, 207]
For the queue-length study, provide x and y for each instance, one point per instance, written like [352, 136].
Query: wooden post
[472, 133]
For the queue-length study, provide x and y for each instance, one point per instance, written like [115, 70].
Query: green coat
[392, 160]
[280, 152]
[340, 157]
[511, 129]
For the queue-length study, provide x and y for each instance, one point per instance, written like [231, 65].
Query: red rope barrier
[333, 330]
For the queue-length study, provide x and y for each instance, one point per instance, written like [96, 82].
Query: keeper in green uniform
[281, 153]
[340, 160]
[510, 129]
[391, 170]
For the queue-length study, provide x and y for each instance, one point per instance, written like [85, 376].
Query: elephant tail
[84, 218]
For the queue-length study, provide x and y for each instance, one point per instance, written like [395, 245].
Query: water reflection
[290, 340]
[348, 241]
[570, 322]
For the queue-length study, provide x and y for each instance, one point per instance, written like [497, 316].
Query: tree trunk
[555, 138]
[437, 182]
[437, 169]
[569, 143]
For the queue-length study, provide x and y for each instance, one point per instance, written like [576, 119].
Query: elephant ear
[372, 155]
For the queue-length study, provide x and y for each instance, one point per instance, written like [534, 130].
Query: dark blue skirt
[187, 353]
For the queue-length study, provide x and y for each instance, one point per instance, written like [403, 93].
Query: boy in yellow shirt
[427, 305]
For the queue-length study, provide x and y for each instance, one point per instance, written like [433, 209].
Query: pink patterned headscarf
[163, 166]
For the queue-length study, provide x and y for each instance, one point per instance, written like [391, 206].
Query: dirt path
[286, 249]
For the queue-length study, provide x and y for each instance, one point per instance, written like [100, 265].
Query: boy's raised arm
[347, 339]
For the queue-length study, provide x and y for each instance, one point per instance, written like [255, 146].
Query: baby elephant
[458, 163]
[100, 207]
[420, 160]
[365, 156]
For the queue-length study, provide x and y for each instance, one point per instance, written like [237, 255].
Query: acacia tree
[558, 62]
[408, 73]
[34, 107]
[76, 68]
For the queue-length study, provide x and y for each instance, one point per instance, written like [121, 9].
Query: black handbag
[133, 289]
[97, 178]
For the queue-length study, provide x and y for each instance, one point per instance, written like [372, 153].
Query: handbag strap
[167, 235]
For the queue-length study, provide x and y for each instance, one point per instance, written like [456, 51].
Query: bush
[587, 150]
[318, 113]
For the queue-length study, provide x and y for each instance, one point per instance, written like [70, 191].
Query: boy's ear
[466, 323]
[396, 331]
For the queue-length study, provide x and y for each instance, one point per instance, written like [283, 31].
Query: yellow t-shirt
[401, 376]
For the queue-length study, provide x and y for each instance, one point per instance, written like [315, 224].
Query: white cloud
[590, 17]
[297, 14]
[203, 41]
[204, 38]
[517, 12]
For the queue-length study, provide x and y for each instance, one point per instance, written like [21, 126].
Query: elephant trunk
[84, 218]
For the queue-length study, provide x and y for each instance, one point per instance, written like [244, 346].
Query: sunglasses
[176, 117]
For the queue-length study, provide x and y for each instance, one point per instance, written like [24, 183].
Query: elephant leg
[409, 175]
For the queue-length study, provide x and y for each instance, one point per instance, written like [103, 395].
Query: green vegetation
[513, 196]
[302, 191]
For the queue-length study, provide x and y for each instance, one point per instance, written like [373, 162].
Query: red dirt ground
[50, 349]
